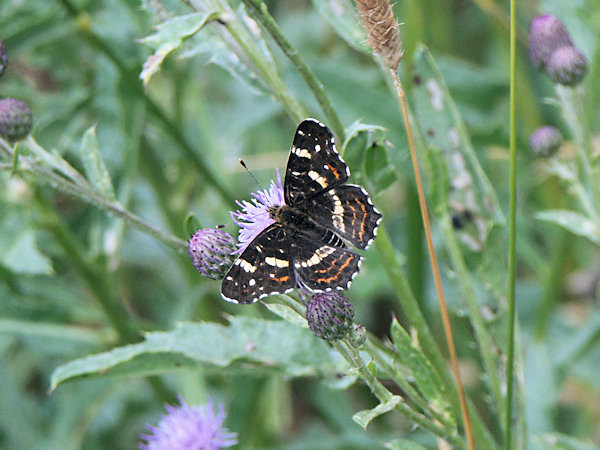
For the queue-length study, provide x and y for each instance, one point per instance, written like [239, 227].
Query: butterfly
[307, 244]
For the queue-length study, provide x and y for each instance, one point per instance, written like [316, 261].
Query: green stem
[89, 194]
[512, 231]
[402, 380]
[244, 46]
[482, 335]
[553, 281]
[352, 356]
[261, 13]
[574, 115]
[132, 81]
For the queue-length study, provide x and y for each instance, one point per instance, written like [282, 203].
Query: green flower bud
[329, 315]
[16, 119]
[212, 252]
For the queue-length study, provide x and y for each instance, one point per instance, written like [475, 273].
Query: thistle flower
[188, 427]
[546, 35]
[545, 141]
[3, 58]
[212, 252]
[254, 216]
[567, 66]
[382, 30]
[329, 315]
[16, 119]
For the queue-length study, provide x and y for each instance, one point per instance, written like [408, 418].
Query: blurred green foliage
[171, 147]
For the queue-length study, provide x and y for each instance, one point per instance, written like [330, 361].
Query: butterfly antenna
[241, 161]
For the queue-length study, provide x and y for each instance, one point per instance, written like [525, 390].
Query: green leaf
[557, 441]
[470, 193]
[94, 166]
[403, 444]
[379, 172]
[18, 248]
[170, 36]
[359, 138]
[342, 16]
[426, 379]
[363, 418]
[253, 344]
[574, 222]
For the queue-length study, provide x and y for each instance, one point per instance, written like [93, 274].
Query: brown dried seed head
[382, 30]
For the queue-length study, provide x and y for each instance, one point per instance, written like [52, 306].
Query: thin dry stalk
[382, 30]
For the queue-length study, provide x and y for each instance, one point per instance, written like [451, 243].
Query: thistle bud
[329, 315]
[567, 66]
[3, 58]
[546, 35]
[16, 119]
[545, 141]
[212, 252]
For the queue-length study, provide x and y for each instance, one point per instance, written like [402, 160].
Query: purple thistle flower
[254, 216]
[212, 252]
[567, 66]
[546, 35]
[545, 141]
[189, 427]
[329, 315]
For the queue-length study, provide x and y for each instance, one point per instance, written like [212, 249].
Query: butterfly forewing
[263, 268]
[348, 211]
[314, 164]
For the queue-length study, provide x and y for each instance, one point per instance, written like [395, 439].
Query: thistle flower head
[545, 141]
[3, 58]
[382, 30]
[254, 216]
[16, 119]
[212, 251]
[188, 427]
[329, 315]
[567, 66]
[546, 34]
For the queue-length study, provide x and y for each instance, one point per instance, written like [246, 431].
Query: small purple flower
[567, 66]
[545, 141]
[186, 427]
[212, 251]
[254, 216]
[329, 315]
[546, 34]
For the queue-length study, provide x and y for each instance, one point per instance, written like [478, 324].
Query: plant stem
[434, 266]
[261, 13]
[131, 79]
[244, 46]
[512, 230]
[352, 356]
[88, 194]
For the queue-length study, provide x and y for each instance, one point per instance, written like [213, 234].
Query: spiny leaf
[170, 36]
[363, 418]
[268, 346]
[94, 166]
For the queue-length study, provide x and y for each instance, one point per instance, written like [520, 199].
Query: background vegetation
[81, 275]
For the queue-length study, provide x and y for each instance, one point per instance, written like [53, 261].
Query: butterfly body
[306, 243]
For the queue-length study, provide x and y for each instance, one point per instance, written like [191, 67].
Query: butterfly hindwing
[348, 211]
[263, 268]
[314, 164]
[321, 267]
